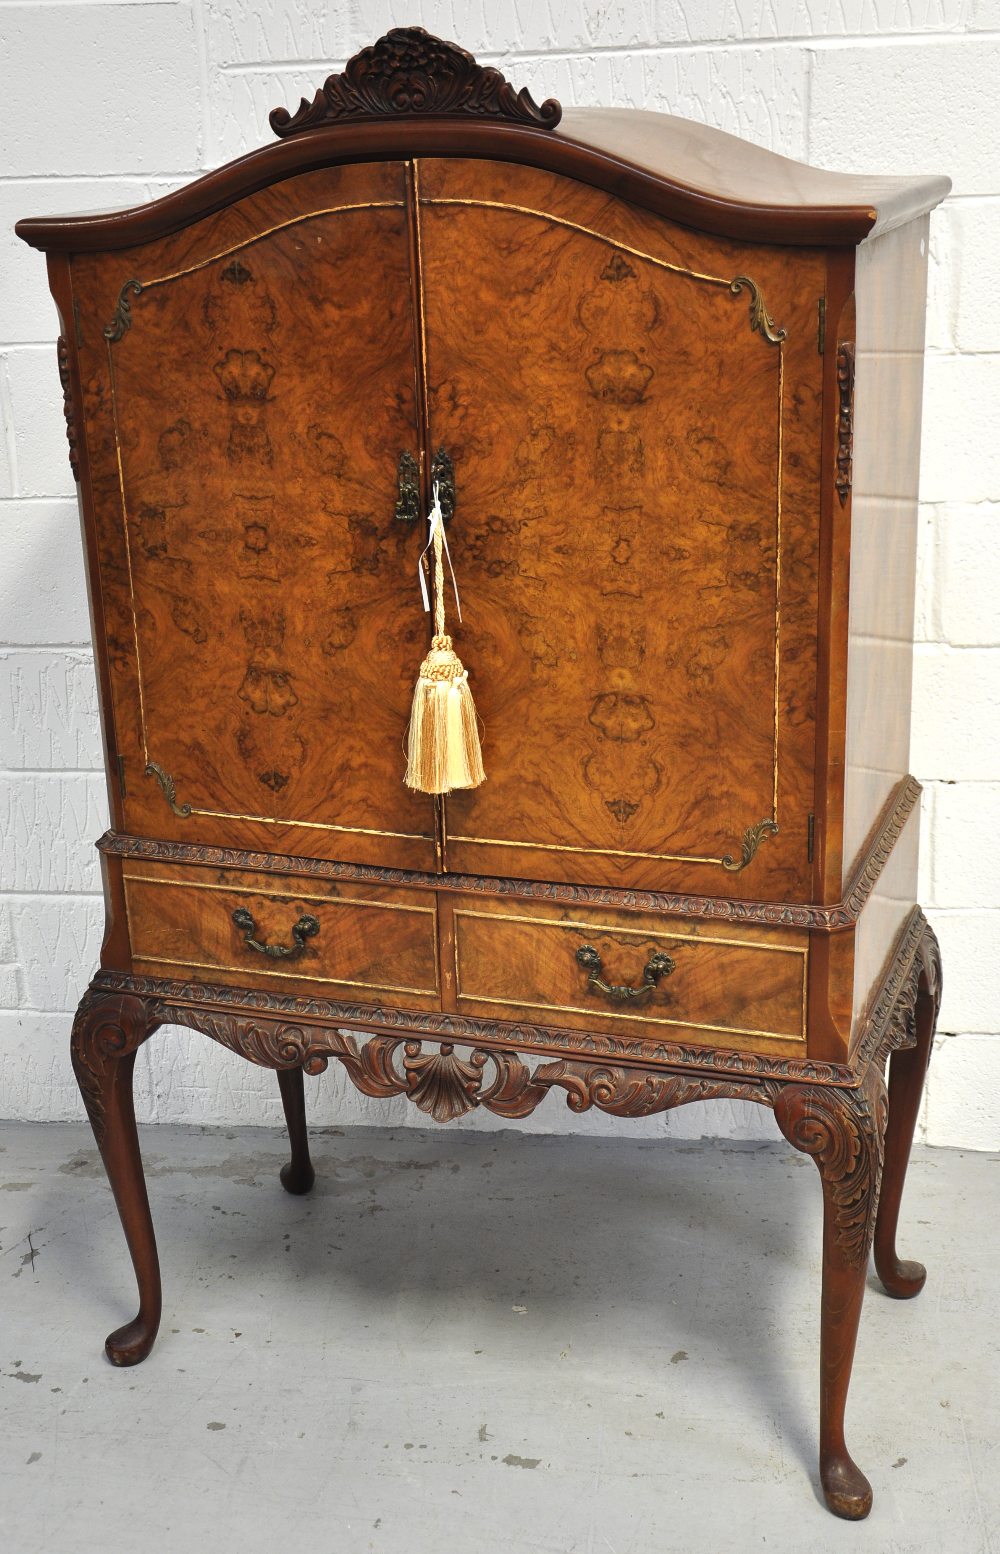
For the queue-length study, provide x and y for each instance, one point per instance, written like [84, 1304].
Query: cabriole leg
[907, 1069]
[298, 1175]
[107, 1032]
[843, 1130]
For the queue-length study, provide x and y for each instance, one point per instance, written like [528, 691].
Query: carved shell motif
[409, 71]
[441, 1084]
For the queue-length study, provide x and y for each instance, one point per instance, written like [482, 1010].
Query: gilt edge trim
[823, 919]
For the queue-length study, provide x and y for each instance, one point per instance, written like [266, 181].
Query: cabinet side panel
[890, 297]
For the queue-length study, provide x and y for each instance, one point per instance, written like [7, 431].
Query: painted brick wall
[110, 102]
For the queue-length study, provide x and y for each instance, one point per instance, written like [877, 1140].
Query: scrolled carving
[844, 1131]
[67, 388]
[268, 1043]
[409, 72]
[446, 1086]
[106, 1027]
[630, 1092]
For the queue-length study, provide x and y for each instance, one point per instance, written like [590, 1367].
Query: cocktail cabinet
[664, 389]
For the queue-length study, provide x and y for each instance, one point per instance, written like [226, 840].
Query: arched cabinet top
[413, 95]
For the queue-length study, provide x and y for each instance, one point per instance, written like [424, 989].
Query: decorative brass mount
[760, 319]
[752, 838]
[443, 473]
[407, 488]
[169, 789]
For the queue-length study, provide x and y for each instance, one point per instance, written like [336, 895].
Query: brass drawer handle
[658, 965]
[304, 929]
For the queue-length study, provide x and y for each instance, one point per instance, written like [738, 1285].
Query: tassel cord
[437, 544]
[443, 748]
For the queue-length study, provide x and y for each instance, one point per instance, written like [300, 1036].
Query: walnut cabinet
[667, 385]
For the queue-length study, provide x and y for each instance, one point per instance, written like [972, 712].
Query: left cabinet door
[248, 388]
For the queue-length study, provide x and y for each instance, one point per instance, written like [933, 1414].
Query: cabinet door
[246, 408]
[633, 412]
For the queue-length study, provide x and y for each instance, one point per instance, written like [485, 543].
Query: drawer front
[350, 941]
[616, 972]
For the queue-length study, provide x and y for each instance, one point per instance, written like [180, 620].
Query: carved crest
[410, 72]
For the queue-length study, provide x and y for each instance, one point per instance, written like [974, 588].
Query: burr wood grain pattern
[638, 579]
[671, 396]
[261, 604]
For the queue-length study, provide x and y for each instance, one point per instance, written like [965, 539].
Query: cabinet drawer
[718, 985]
[350, 941]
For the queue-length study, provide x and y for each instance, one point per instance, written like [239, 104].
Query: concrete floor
[481, 1344]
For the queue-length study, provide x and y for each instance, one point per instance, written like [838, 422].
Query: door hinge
[821, 332]
[811, 838]
[121, 776]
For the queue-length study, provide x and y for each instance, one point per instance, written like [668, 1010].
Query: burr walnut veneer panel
[745, 988]
[637, 468]
[261, 604]
[690, 872]
[366, 942]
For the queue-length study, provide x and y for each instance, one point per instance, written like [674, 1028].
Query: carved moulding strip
[445, 1086]
[845, 419]
[411, 72]
[67, 388]
[881, 839]
[320, 1020]
[842, 914]
[889, 1025]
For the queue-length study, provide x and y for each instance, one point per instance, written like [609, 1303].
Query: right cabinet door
[633, 411]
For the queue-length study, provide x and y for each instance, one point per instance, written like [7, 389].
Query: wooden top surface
[720, 169]
[412, 95]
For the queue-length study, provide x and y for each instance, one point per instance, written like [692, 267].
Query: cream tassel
[443, 750]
